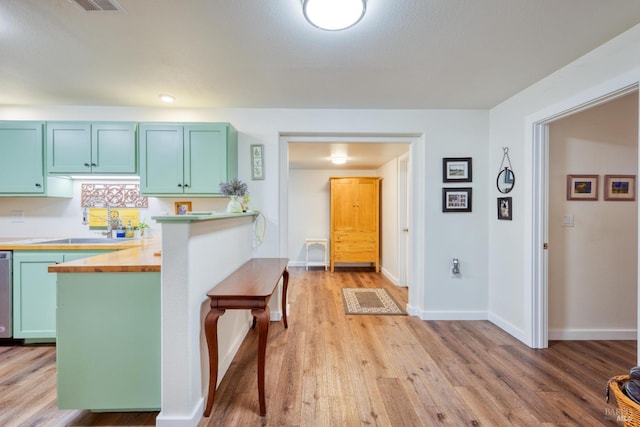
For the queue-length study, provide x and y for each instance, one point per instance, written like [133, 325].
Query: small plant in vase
[235, 189]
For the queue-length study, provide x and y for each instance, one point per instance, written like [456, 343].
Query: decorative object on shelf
[506, 178]
[183, 208]
[505, 208]
[456, 169]
[620, 188]
[582, 187]
[238, 192]
[257, 161]
[456, 199]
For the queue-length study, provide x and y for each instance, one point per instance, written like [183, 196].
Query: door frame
[417, 198]
[537, 125]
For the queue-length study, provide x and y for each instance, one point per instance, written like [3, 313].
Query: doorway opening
[413, 200]
[539, 304]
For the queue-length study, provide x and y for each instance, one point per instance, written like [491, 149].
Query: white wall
[389, 220]
[511, 277]
[445, 133]
[309, 210]
[592, 265]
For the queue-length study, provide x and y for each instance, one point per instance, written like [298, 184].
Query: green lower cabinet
[34, 291]
[108, 343]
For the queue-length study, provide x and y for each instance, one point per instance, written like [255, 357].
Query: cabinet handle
[87, 165]
[179, 185]
[38, 184]
[186, 185]
[93, 164]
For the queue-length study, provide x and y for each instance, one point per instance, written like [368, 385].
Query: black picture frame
[505, 208]
[457, 169]
[457, 199]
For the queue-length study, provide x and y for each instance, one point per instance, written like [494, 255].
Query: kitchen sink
[79, 240]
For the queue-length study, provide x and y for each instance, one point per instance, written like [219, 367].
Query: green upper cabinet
[22, 162]
[91, 148]
[191, 159]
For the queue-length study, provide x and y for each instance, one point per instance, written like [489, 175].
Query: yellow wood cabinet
[355, 220]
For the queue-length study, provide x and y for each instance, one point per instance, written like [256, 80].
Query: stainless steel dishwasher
[6, 299]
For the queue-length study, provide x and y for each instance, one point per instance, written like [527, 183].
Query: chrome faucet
[109, 232]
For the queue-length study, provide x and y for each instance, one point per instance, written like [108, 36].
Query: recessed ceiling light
[166, 98]
[338, 159]
[333, 15]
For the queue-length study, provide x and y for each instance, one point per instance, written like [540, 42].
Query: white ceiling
[262, 53]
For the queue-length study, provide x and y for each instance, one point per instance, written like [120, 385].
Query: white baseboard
[393, 279]
[509, 328]
[453, 315]
[189, 420]
[592, 334]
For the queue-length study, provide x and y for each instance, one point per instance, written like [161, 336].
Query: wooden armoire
[355, 220]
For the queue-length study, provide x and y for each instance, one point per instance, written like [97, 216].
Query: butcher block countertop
[31, 244]
[142, 258]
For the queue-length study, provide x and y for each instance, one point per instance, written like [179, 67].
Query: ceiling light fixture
[338, 159]
[334, 15]
[166, 98]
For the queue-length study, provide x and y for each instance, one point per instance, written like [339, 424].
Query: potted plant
[234, 189]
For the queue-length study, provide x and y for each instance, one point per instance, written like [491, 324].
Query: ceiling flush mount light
[334, 15]
[338, 159]
[166, 98]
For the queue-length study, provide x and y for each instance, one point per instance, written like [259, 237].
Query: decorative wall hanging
[456, 169]
[257, 161]
[506, 178]
[456, 199]
[505, 208]
[582, 187]
[117, 195]
[620, 187]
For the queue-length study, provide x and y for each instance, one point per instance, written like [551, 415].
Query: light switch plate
[567, 221]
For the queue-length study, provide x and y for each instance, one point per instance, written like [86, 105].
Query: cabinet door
[205, 161]
[367, 205]
[21, 158]
[69, 147]
[113, 148]
[161, 159]
[344, 196]
[34, 294]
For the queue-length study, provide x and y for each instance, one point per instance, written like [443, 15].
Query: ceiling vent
[99, 5]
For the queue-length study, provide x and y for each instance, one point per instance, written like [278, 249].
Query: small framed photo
[257, 161]
[620, 187]
[505, 208]
[456, 199]
[456, 169]
[582, 187]
[183, 208]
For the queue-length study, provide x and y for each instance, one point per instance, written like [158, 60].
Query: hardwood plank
[328, 368]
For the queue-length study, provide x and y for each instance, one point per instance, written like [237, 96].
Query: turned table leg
[211, 333]
[262, 316]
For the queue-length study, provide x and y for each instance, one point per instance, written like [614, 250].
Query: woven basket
[629, 412]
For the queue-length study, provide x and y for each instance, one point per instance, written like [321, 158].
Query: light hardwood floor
[329, 369]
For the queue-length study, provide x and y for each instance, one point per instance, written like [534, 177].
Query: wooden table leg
[262, 315]
[211, 333]
[285, 284]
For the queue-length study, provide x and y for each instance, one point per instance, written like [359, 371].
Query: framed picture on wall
[257, 161]
[456, 169]
[582, 187]
[505, 208]
[456, 199]
[620, 187]
[182, 208]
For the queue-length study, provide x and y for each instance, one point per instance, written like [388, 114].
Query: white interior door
[403, 221]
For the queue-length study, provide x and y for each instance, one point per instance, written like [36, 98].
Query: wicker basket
[629, 411]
